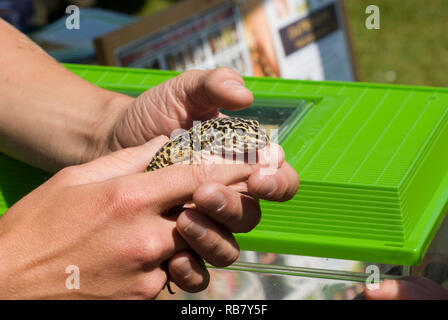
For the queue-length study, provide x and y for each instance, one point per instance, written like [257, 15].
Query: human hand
[174, 104]
[408, 288]
[198, 95]
[107, 218]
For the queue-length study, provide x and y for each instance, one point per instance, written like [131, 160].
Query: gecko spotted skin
[219, 136]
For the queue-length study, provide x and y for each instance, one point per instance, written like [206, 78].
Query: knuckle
[201, 173]
[68, 173]
[124, 199]
[145, 249]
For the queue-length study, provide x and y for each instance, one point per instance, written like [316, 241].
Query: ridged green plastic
[372, 160]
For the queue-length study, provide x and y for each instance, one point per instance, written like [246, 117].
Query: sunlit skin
[102, 212]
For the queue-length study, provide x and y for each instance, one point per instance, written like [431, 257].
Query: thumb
[123, 162]
[176, 103]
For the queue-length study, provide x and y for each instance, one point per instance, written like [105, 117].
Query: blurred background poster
[300, 39]
[310, 39]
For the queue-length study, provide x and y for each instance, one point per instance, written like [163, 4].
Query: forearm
[49, 117]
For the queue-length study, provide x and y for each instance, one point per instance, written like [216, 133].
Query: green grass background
[411, 46]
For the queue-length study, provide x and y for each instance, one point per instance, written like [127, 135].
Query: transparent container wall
[288, 277]
[277, 116]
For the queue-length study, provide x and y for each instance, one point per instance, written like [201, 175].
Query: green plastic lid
[372, 160]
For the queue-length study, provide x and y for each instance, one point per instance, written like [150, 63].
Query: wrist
[109, 114]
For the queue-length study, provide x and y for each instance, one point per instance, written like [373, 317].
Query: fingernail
[183, 267]
[267, 186]
[233, 83]
[194, 230]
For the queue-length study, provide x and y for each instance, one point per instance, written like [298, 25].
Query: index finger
[175, 185]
